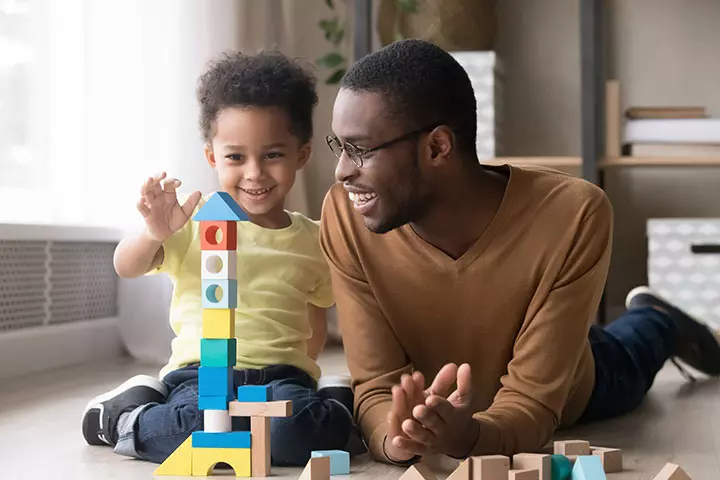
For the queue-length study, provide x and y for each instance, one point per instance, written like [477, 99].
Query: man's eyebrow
[355, 139]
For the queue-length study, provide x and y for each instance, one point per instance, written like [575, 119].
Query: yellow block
[179, 463]
[204, 459]
[218, 323]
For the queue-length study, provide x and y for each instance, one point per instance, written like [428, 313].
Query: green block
[218, 352]
[560, 467]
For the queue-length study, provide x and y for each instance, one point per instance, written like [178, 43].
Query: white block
[219, 264]
[217, 421]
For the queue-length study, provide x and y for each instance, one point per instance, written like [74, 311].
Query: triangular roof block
[221, 207]
[672, 471]
[588, 468]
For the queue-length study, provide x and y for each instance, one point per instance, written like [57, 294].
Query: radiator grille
[45, 283]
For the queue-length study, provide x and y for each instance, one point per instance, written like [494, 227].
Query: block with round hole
[219, 293]
[218, 235]
[219, 264]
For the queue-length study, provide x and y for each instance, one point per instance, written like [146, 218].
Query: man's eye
[234, 156]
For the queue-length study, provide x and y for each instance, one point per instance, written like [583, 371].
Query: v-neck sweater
[517, 306]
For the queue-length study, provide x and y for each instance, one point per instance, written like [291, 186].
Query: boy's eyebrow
[271, 145]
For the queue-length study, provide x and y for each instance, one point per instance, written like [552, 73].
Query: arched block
[205, 459]
[219, 264]
[218, 235]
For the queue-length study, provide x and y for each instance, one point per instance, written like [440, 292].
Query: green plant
[334, 31]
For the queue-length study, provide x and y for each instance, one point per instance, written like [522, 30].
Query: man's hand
[160, 208]
[406, 396]
[443, 422]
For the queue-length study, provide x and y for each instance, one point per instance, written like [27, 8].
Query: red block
[209, 235]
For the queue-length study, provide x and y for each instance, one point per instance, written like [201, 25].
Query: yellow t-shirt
[279, 271]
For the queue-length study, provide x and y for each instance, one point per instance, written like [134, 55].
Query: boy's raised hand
[159, 206]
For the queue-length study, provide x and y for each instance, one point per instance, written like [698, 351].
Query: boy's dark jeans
[628, 353]
[152, 432]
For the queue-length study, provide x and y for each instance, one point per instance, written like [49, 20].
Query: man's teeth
[256, 192]
[361, 198]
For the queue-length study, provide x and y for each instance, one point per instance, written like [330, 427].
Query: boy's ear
[209, 155]
[305, 152]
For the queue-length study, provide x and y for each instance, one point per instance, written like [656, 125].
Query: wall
[663, 52]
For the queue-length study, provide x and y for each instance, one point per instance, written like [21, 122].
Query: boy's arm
[136, 255]
[318, 322]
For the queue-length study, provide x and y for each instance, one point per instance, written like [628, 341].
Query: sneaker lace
[683, 371]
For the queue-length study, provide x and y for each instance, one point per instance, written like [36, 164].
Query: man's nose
[345, 168]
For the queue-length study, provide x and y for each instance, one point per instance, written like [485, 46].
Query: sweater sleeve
[375, 357]
[548, 349]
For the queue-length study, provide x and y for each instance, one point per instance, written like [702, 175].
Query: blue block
[213, 402]
[211, 290]
[215, 381]
[588, 467]
[216, 352]
[255, 393]
[339, 460]
[221, 440]
[221, 206]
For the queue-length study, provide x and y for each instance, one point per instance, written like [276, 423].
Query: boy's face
[256, 159]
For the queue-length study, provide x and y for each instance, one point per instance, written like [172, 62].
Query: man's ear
[305, 152]
[209, 155]
[441, 143]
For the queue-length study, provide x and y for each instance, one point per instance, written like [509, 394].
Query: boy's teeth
[257, 192]
[361, 197]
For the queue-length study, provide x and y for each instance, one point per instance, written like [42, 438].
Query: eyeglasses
[355, 154]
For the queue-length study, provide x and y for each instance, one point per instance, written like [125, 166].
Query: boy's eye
[274, 155]
[234, 156]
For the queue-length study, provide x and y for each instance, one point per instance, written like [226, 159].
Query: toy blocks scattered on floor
[672, 471]
[339, 460]
[317, 468]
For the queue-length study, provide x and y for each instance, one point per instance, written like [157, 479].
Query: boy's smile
[256, 158]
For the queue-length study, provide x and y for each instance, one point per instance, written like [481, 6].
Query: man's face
[389, 189]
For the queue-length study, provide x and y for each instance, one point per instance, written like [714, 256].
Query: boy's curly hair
[266, 79]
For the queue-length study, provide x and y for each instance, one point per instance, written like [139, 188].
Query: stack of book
[687, 132]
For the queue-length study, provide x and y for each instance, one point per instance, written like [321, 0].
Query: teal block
[221, 206]
[210, 294]
[213, 402]
[221, 440]
[588, 467]
[339, 460]
[560, 467]
[215, 381]
[255, 393]
[218, 352]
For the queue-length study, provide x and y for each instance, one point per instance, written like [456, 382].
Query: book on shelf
[673, 150]
[665, 112]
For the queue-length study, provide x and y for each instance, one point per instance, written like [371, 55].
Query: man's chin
[382, 227]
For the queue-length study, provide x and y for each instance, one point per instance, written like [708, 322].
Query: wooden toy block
[255, 393]
[216, 421]
[529, 474]
[179, 463]
[672, 471]
[218, 323]
[560, 467]
[218, 352]
[317, 468]
[214, 402]
[219, 264]
[463, 471]
[490, 467]
[571, 447]
[418, 472]
[221, 206]
[277, 408]
[215, 381]
[218, 236]
[339, 460]
[260, 433]
[534, 461]
[219, 294]
[588, 467]
[611, 458]
[205, 459]
[205, 439]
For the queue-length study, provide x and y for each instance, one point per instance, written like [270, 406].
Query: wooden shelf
[551, 162]
[659, 162]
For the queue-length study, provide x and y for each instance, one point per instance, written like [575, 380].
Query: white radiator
[58, 297]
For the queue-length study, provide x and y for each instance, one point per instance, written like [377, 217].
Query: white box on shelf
[684, 264]
[485, 75]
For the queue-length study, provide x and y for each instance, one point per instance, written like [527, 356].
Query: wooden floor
[40, 429]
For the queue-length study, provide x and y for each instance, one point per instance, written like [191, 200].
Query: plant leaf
[330, 60]
[329, 27]
[329, 3]
[408, 6]
[337, 37]
[335, 77]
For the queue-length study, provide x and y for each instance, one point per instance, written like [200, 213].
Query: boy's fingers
[142, 208]
[192, 201]
[147, 190]
[170, 185]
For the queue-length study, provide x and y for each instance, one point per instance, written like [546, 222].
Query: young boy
[256, 120]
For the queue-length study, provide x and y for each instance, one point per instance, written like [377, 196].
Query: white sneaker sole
[641, 290]
[334, 381]
[136, 381]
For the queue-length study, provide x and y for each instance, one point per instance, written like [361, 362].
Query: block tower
[248, 453]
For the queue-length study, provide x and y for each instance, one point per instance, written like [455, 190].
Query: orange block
[220, 235]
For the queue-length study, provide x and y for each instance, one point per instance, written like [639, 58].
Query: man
[440, 261]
